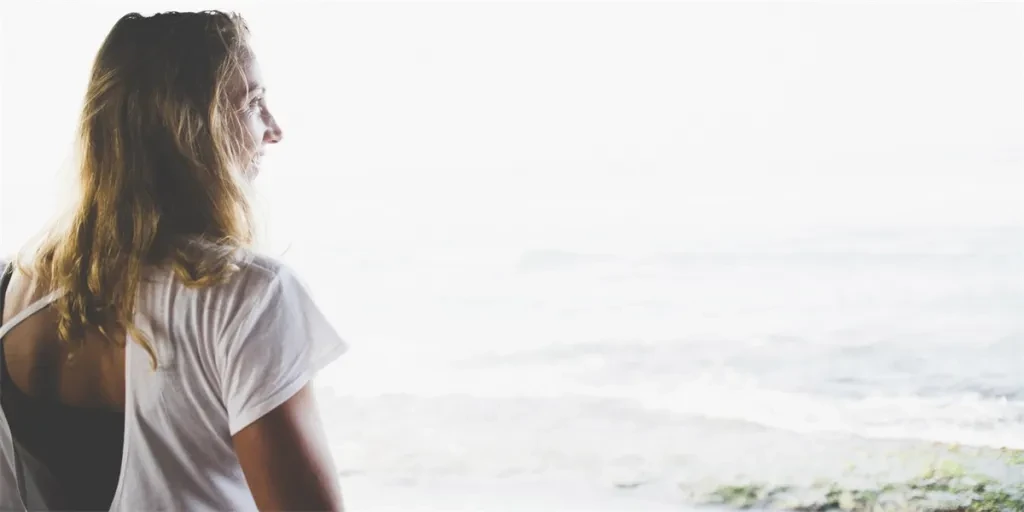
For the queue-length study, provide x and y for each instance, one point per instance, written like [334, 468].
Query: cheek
[253, 131]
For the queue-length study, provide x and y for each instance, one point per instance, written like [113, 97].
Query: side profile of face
[259, 128]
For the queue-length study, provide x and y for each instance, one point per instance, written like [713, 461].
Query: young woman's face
[259, 128]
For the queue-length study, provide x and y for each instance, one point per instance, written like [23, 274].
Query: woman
[150, 360]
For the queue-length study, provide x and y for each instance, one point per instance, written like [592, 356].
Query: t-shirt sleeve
[278, 347]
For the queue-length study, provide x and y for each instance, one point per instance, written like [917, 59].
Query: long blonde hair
[160, 168]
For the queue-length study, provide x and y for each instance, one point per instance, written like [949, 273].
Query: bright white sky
[580, 126]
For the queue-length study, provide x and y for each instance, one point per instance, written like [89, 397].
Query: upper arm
[265, 365]
[286, 460]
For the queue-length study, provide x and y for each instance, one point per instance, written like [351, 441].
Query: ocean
[663, 375]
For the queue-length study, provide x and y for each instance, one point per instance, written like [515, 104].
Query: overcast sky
[575, 125]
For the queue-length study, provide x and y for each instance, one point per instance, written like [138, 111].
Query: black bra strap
[4, 281]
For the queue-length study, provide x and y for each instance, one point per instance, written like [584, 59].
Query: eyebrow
[255, 87]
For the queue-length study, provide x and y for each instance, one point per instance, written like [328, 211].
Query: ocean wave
[970, 418]
[981, 417]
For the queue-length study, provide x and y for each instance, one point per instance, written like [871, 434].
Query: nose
[273, 134]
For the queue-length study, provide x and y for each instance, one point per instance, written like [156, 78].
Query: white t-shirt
[228, 354]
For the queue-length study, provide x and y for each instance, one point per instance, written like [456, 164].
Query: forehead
[247, 78]
[252, 70]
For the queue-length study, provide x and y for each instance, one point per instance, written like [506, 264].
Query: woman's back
[67, 418]
[162, 439]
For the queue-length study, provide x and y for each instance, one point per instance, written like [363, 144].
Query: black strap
[4, 281]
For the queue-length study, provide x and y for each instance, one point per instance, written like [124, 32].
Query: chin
[253, 169]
